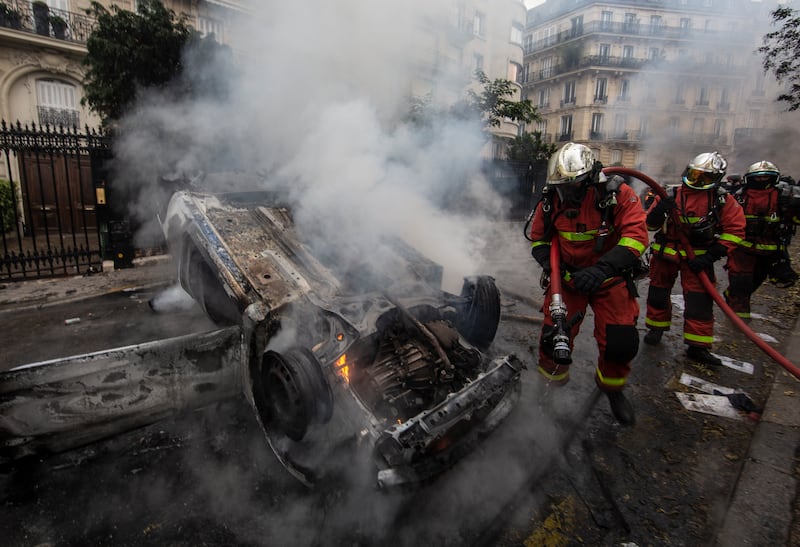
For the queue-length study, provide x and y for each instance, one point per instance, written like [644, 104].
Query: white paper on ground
[702, 385]
[718, 405]
[765, 318]
[766, 337]
[741, 366]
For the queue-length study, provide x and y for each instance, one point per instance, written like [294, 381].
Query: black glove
[660, 211]
[614, 262]
[589, 279]
[542, 255]
[706, 261]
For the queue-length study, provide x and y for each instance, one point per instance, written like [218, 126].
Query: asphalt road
[559, 471]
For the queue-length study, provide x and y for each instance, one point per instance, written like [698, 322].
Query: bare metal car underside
[334, 356]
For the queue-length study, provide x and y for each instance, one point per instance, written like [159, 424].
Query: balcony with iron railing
[26, 17]
[641, 30]
[590, 61]
[57, 117]
[563, 137]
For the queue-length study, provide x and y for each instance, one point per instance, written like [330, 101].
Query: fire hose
[562, 326]
[706, 282]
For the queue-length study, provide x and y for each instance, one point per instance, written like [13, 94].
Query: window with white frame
[516, 33]
[653, 53]
[702, 96]
[616, 156]
[605, 19]
[600, 89]
[565, 129]
[719, 127]
[644, 127]
[547, 67]
[604, 51]
[544, 97]
[655, 24]
[624, 89]
[576, 25]
[631, 22]
[477, 62]
[515, 72]
[627, 52]
[597, 124]
[57, 103]
[541, 126]
[569, 92]
[208, 25]
[620, 125]
[479, 24]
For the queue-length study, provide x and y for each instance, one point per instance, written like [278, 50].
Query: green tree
[530, 147]
[492, 103]
[128, 52]
[780, 52]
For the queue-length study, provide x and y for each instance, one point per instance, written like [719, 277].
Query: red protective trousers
[615, 315]
[698, 315]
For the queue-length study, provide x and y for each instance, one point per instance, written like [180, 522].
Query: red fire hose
[709, 286]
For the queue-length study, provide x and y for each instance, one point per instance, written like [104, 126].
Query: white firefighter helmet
[572, 163]
[762, 175]
[705, 171]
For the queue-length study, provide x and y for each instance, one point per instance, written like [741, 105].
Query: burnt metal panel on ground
[63, 403]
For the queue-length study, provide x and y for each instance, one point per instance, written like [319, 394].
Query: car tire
[480, 314]
[295, 391]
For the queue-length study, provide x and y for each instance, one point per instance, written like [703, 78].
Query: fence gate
[50, 221]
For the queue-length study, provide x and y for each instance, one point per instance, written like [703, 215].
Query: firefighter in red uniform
[714, 224]
[770, 215]
[601, 232]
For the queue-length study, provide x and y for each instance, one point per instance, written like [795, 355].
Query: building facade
[648, 84]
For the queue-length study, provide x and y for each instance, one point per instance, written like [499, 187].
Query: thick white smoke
[318, 94]
[317, 97]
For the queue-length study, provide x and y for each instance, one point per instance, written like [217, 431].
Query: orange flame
[342, 368]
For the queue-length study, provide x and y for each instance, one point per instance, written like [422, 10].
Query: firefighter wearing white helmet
[769, 211]
[601, 234]
[714, 224]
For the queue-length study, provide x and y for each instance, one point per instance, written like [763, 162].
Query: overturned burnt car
[340, 353]
[334, 356]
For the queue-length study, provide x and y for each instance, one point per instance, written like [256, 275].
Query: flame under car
[342, 356]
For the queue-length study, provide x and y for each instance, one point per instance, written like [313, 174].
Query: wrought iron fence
[52, 203]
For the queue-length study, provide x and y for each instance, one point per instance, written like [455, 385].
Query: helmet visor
[762, 180]
[697, 178]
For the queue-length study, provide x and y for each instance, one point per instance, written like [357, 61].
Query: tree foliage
[780, 52]
[492, 103]
[128, 52]
[530, 147]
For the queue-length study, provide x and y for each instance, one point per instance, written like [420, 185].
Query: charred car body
[333, 356]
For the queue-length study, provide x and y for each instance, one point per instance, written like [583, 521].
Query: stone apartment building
[648, 84]
[41, 53]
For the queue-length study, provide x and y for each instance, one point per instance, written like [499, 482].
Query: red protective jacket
[706, 216]
[577, 235]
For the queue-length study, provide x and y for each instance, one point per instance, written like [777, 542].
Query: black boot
[653, 337]
[702, 355]
[621, 408]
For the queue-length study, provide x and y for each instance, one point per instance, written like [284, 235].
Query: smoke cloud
[315, 110]
[316, 107]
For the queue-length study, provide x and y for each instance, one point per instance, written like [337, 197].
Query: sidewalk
[764, 509]
[37, 293]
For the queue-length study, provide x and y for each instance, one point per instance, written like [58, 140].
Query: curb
[761, 509]
[147, 272]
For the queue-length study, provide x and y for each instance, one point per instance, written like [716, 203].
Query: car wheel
[480, 314]
[296, 394]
